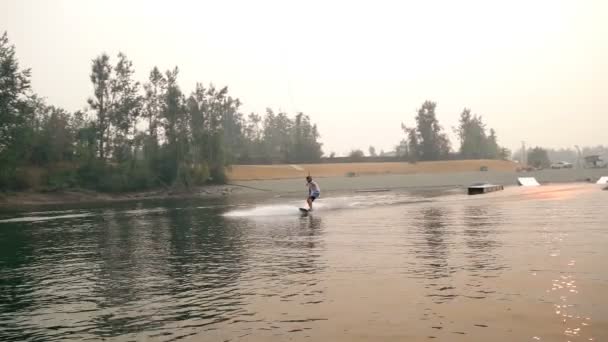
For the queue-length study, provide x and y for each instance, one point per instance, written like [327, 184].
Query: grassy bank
[268, 172]
[81, 196]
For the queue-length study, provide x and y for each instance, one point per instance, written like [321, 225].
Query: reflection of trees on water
[16, 291]
[433, 233]
[189, 258]
[140, 271]
[202, 266]
[432, 244]
[481, 229]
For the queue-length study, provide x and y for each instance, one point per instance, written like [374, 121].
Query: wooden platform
[478, 189]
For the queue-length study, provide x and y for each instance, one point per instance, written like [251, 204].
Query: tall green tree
[126, 108]
[175, 124]
[216, 146]
[414, 152]
[101, 72]
[472, 135]
[154, 103]
[305, 147]
[199, 124]
[475, 143]
[85, 138]
[253, 136]
[433, 143]
[493, 150]
[426, 141]
[152, 108]
[277, 136]
[15, 111]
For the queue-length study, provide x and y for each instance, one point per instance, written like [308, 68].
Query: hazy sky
[536, 70]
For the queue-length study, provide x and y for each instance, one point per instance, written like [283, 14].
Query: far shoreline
[28, 199]
[294, 185]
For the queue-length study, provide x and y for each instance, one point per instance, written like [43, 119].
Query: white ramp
[603, 180]
[527, 181]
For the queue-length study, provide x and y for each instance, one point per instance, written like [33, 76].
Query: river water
[524, 264]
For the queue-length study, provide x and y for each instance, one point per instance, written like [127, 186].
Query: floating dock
[478, 189]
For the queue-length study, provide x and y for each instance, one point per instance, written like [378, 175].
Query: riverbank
[82, 196]
[270, 180]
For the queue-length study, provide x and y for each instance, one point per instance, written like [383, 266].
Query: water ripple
[518, 265]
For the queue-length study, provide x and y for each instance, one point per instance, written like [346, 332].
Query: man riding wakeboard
[314, 191]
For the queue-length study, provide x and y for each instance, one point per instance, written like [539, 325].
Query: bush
[218, 175]
[61, 179]
[140, 178]
[91, 174]
[200, 174]
[111, 182]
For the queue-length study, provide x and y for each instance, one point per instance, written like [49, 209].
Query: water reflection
[170, 271]
[481, 231]
[433, 244]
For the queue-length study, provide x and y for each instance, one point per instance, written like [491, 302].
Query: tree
[505, 153]
[152, 108]
[432, 142]
[85, 138]
[471, 132]
[538, 158]
[372, 151]
[154, 102]
[187, 141]
[15, 112]
[101, 71]
[492, 149]
[409, 148]
[174, 123]
[277, 136]
[306, 148]
[474, 142]
[356, 155]
[126, 108]
[232, 127]
[54, 139]
[14, 90]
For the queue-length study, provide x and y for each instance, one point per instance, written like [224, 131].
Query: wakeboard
[303, 210]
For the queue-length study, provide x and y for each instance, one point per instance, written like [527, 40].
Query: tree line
[540, 157]
[426, 140]
[136, 136]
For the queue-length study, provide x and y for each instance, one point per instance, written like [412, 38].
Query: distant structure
[594, 161]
